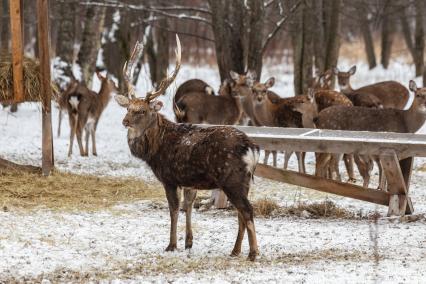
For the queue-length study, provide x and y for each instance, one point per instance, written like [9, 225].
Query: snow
[126, 243]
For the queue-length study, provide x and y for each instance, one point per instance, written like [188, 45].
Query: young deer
[293, 112]
[391, 94]
[380, 120]
[197, 107]
[84, 110]
[183, 155]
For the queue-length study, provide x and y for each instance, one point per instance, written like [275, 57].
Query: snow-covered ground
[126, 242]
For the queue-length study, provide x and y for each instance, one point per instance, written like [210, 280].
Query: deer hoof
[352, 180]
[171, 247]
[252, 255]
[235, 253]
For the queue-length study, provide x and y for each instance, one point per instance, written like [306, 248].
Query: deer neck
[348, 89]
[104, 94]
[414, 118]
[146, 144]
[264, 112]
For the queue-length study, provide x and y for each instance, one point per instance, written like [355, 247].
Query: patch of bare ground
[65, 191]
[166, 264]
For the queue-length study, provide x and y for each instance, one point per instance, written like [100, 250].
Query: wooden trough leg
[398, 177]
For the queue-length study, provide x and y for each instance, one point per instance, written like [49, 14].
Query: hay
[63, 191]
[32, 84]
[325, 209]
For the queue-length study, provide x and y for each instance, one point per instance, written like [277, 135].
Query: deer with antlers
[183, 155]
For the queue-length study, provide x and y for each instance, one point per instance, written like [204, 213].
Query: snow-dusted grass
[126, 242]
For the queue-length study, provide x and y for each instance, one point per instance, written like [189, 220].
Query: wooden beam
[17, 50]
[324, 185]
[43, 47]
[406, 166]
[400, 203]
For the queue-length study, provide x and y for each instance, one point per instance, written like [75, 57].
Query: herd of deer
[191, 157]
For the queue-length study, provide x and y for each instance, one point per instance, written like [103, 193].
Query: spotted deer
[380, 120]
[183, 155]
[390, 94]
[84, 108]
[293, 112]
[197, 107]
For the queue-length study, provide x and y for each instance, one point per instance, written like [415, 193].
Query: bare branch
[280, 24]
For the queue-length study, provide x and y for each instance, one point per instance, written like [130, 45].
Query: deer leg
[79, 141]
[365, 166]
[349, 164]
[239, 199]
[274, 158]
[321, 165]
[334, 167]
[87, 136]
[188, 200]
[303, 162]
[93, 133]
[241, 230]
[300, 162]
[59, 122]
[382, 177]
[265, 159]
[173, 200]
[73, 126]
[287, 156]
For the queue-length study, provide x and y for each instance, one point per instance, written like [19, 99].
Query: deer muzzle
[126, 123]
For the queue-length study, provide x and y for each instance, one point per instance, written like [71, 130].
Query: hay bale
[32, 84]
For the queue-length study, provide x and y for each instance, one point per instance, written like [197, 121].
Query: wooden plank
[406, 166]
[17, 50]
[324, 185]
[396, 185]
[43, 46]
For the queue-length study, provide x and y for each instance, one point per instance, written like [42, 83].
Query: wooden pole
[17, 51]
[43, 47]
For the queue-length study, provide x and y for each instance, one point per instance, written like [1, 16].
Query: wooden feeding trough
[396, 152]
[16, 89]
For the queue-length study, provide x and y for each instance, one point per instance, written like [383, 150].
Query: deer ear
[122, 100]
[234, 75]
[100, 77]
[352, 70]
[335, 71]
[270, 82]
[413, 86]
[156, 105]
[311, 95]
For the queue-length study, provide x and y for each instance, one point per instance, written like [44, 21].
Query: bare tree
[364, 23]
[90, 43]
[5, 29]
[388, 31]
[157, 51]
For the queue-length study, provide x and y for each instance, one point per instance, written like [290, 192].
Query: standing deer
[380, 120]
[186, 155]
[192, 86]
[294, 112]
[197, 107]
[391, 94]
[84, 110]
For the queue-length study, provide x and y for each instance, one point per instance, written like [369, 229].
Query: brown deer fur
[193, 86]
[197, 107]
[84, 110]
[380, 120]
[182, 155]
[390, 93]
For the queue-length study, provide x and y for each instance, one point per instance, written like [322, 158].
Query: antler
[165, 83]
[128, 68]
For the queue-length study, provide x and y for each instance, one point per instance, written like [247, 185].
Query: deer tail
[251, 158]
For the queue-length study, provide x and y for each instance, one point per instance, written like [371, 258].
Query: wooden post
[43, 47]
[17, 51]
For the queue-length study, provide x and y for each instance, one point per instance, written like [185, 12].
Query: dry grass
[32, 82]
[324, 209]
[65, 191]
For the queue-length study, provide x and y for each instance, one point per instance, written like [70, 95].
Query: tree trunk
[65, 43]
[91, 43]
[388, 27]
[419, 42]
[255, 21]
[157, 50]
[302, 39]
[5, 28]
[368, 38]
[228, 30]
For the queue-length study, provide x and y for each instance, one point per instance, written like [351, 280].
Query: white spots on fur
[251, 158]
[73, 100]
